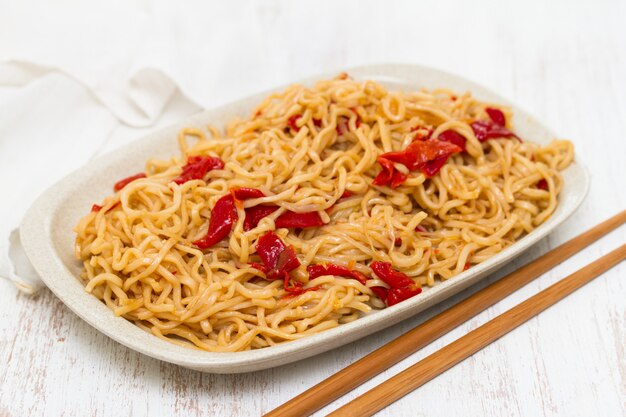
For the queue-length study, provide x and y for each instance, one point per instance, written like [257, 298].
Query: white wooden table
[565, 61]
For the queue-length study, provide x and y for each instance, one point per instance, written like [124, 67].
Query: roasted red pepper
[542, 185]
[402, 287]
[389, 174]
[496, 116]
[291, 219]
[395, 295]
[245, 193]
[493, 128]
[422, 132]
[418, 154]
[430, 168]
[123, 183]
[381, 292]
[98, 207]
[292, 122]
[223, 217]
[337, 270]
[486, 129]
[197, 167]
[255, 214]
[453, 137]
[393, 278]
[288, 219]
[278, 261]
[428, 156]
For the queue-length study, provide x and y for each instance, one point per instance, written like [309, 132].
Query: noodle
[312, 150]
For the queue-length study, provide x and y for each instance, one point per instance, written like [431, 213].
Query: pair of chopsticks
[433, 365]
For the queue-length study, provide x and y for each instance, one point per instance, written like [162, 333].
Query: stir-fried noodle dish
[324, 204]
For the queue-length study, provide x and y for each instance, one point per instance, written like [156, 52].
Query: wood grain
[564, 61]
[393, 352]
[432, 366]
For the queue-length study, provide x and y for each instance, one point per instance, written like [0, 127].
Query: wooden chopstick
[450, 355]
[393, 352]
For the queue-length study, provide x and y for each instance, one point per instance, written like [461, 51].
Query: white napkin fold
[102, 45]
[72, 75]
[48, 128]
[73, 72]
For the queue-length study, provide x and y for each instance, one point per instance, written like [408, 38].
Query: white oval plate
[47, 236]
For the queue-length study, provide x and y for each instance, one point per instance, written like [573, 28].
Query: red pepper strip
[255, 214]
[423, 133]
[346, 194]
[430, 168]
[487, 129]
[419, 153]
[245, 193]
[453, 137]
[494, 128]
[337, 270]
[97, 207]
[223, 216]
[393, 278]
[381, 292]
[278, 259]
[389, 174]
[291, 122]
[402, 287]
[496, 116]
[290, 219]
[421, 228]
[395, 295]
[466, 266]
[542, 185]
[123, 183]
[317, 122]
[397, 241]
[428, 156]
[296, 289]
[197, 167]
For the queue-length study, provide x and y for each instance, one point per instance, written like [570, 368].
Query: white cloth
[51, 118]
[74, 75]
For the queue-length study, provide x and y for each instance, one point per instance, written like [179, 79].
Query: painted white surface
[563, 61]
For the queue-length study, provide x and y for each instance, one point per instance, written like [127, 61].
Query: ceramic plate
[47, 236]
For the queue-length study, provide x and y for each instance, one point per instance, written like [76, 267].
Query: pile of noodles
[138, 255]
